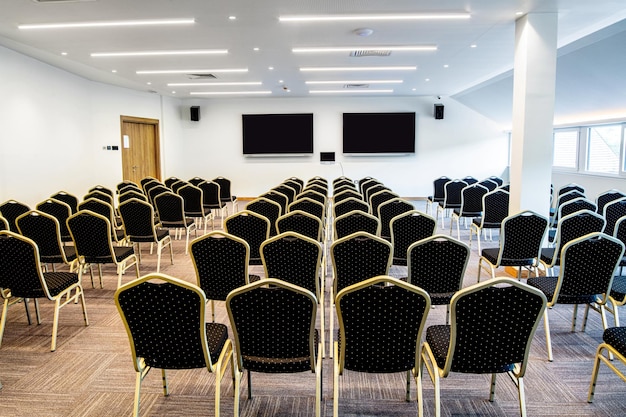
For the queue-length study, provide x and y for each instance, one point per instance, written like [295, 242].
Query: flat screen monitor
[379, 133]
[277, 134]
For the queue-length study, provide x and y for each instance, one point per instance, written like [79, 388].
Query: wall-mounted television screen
[277, 134]
[378, 133]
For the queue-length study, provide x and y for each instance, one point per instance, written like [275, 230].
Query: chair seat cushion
[216, 334]
[442, 298]
[279, 365]
[56, 282]
[122, 252]
[491, 255]
[616, 337]
[547, 285]
[478, 221]
[618, 289]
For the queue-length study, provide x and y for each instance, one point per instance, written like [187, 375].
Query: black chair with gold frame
[165, 322]
[226, 195]
[268, 208]
[102, 207]
[61, 211]
[170, 208]
[381, 321]
[21, 274]
[355, 221]
[613, 346]
[251, 227]
[388, 210]
[11, 210]
[273, 324]
[349, 204]
[408, 228]
[498, 342]
[69, 199]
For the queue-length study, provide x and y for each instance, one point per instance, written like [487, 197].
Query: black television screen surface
[277, 134]
[378, 133]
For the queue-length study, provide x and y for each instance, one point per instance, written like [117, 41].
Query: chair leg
[335, 380]
[546, 325]
[55, 323]
[3, 319]
[249, 385]
[159, 249]
[37, 315]
[594, 373]
[237, 375]
[492, 390]
[522, 396]
[141, 374]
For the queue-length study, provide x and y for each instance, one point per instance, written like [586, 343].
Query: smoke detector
[363, 31]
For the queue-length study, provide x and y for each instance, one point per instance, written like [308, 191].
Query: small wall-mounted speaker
[195, 113]
[438, 111]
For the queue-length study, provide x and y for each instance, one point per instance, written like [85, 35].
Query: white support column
[534, 80]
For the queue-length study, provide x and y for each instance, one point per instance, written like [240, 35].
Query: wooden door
[140, 148]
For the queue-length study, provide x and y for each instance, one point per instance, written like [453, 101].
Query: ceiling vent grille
[62, 1]
[201, 76]
[356, 86]
[371, 52]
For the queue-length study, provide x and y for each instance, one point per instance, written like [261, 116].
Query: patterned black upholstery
[21, 273]
[616, 337]
[251, 227]
[127, 185]
[491, 330]
[495, 210]
[61, 211]
[471, 204]
[407, 229]
[350, 204]
[438, 192]
[614, 345]
[194, 203]
[99, 195]
[355, 221]
[300, 181]
[274, 327]
[585, 276]
[342, 183]
[193, 181]
[301, 222]
[317, 187]
[277, 197]
[489, 184]
[226, 195]
[211, 197]
[148, 183]
[437, 264]
[155, 191]
[44, 230]
[296, 185]
[606, 197]
[221, 264]
[171, 180]
[171, 209]
[68, 199]
[452, 196]
[105, 209]
[4, 224]
[310, 206]
[11, 210]
[290, 192]
[313, 195]
[131, 193]
[576, 204]
[569, 228]
[388, 210]
[521, 238]
[267, 208]
[378, 197]
[372, 187]
[563, 199]
[164, 319]
[340, 196]
[612, 213]
[366, 182]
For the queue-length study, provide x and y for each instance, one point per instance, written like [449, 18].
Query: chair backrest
[439, 188]
[437, 264]
[489, 184]
[577, 204]
[251, 227]
[570, 187]
[355, 221]
[221, 263]
[301, 222]
[345, 194]
[275, 321]
[620, 230]
[496, 179]
[195, 180]
[20, 269]
[68, 199]
[268, 208]
[588, 265]
[606, 197]
[388, 210]
[170, 207]
[171, 180]
[381, 321]
[316, 187]
[98, 195]
[521, 237]
[294, 258]
[4, 224]
[350, 204]
[156, 191]
[296, 185]
[576, 225]
[343, 183]
[101, 207]
[313, 195]
[211, 194]
[357, 257]
[102, 189]
[193, 199]
[127, 185]
[452, 193]
[612, 212]
[146, 180]
[361, 182]
[290, 192]
[60, 210]
[225, 188]
[408, 228]
[300, 181]
[495, 208]
[138, 219]
[310, 206]
[379, 198]
[277, 197]
[44, 230]
[568, 196]
[11, 210]
[502, 337]
[91, 233]
[364, 186]
[164, 319]
[178, 185]
[131, 193]
[370, 191]
[470, 180]
[472, 200]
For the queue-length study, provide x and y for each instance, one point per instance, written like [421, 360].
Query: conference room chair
[171, 180]
[131, 193]
[69, 199]
[438, 193]
[127, 185]
[313, 195]
[193, 181]
[146, 180]
[251, 227]
[521, 237]
[606, 197]
[349, 204]
[194, 205]
[11, 210]
[164, 318]
[345, 194]
[297, 185]
[586, 272]
[451, 200]
[437, 264]
[61, 211]
[469, 180]
[408, 228]
[366, 184]
[91, 233]
[381, 321]
[376, 189]
[298, 180]
[21, 274]
[106, 210]
[99, 195]
[303, 223]
[563, 199]
[273, 325]
[102, 189]
[498, 343]
[613, 211]
[495, 210]
[277, 197]
[226, 195]
[613, 346]
[617, 296]
[267, 208]
[355, 221]
[211, 199]
[388, 210]
[471, 206]
[489, 184]
[170, 208]
[310, 206]
[139, 227]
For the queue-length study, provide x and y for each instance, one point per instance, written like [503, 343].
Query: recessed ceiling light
[114, 70]
[348, 91]
[192, 71]
[108, 23]
[519, 13]
[364, 48]
[270, 68]
[149, 83]
[227, 93]
[427, 79]
[473, 45]
[232, 17]
[413, 89]
[64, 53]
[446, 65]
[255, 49]
[159, 53]
[215, 84]
[414, 16]
[398, 68]
[173, 92]
[356, 82]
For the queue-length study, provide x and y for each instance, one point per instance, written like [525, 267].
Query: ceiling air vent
[356, 86]
[371, 52]
[62, 1]
[201, 76]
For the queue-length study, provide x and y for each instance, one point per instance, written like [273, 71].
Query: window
[603, 149]
[565, 149]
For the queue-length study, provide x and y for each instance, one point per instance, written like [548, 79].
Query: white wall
[54, 125]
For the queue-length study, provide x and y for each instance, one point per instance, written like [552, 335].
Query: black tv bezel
[382, 146]
[305, 144]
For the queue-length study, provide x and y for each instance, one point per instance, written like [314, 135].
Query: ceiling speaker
[438, 111]
[195, 113]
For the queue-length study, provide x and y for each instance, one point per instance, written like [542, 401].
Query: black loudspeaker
[195, 113]
[438, 111]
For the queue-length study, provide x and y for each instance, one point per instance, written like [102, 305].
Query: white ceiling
[490, 27]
